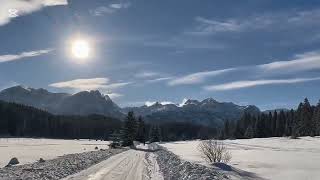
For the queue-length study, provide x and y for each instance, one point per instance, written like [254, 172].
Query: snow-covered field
[29, 150]
[270, 158]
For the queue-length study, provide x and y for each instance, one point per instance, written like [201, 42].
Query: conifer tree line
[304, 121]
[134, 129]
[17, 120]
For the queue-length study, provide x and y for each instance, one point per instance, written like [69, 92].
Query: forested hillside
[21, 120]
[304, 121]
[25, 121]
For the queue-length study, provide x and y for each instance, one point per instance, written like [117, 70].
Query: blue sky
[249, 52]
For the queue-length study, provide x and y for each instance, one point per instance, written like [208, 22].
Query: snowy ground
[269, 158]
[29, 150]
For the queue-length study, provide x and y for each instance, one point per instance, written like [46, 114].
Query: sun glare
[80, 49]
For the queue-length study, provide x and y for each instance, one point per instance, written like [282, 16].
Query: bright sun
[80, 49]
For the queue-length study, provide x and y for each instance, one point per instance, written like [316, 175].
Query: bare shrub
[13, 161]
[214, 151]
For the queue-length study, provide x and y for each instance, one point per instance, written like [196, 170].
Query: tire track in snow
[129, 165]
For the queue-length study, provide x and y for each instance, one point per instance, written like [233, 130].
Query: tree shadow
[237, 172]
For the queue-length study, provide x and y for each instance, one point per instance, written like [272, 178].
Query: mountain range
[207, 112]
[82, 103]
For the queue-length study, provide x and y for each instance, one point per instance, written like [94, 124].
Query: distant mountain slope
[82, 103]
[207, 112]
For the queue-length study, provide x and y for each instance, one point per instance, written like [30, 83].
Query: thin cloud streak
[198, 77]
[245, 84]
[112, 8]
[158, 79]
[183, 43]
[114, 95]
[14, 57]
[146, 74]
[82, 84]
[266, 21]
[90, 84]
[115, 85]
[303, 62]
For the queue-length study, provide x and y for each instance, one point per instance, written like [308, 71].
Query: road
[129, 165]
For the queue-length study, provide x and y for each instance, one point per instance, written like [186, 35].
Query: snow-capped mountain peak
[209, 101]
[191, 101]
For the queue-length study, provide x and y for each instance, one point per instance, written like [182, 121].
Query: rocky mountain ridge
[207, 112]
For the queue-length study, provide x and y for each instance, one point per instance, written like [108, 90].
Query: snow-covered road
[129, 165]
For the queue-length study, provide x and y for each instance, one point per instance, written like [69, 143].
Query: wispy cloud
[246, 84]
[302, 62]
[150, 103]
[10, 9]
[146, 74]
[274, 20]
[152, 76]
[206, 26]
[115, 85]
[198, 77]
[100, 11]
[120, 5]
[90, 84]
[82, 84]
[158, 79]
[182, 42]
[111, 8]
[14, 57]
[114, 95]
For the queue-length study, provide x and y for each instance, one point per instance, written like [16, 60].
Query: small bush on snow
[13, 161]
[214, 151]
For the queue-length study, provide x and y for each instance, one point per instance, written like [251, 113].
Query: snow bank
[29, 150]
[153, 169]
[173, 167]
[57, 168]
[270, 158]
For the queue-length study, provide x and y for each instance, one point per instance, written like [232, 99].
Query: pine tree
[289, 122]
[306, 118]
[129, 130]
[155, 134]
[260, 127]
[280, 124]
[274, 124]
[239, 132]
[268, 124]
[241, 125]
[115, 137]
[316, 119]
[249, 132]
[226, 130]
[297, 122]
[141, 133]
[252, 123]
